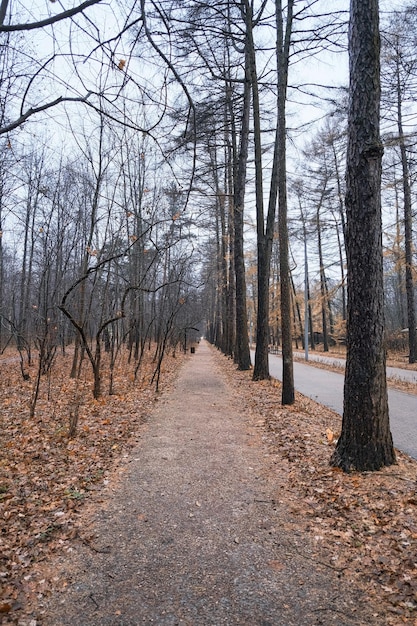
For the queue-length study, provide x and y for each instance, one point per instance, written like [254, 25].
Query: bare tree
[277, 192]
[400, 65]
[242, 355]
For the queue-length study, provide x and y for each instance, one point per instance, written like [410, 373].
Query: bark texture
[283, 60]
[365, 442]
[242, 353]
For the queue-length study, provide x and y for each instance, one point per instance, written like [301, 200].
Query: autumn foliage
[46, 475]
[363, 525]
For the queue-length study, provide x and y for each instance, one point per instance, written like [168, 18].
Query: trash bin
[192, 349]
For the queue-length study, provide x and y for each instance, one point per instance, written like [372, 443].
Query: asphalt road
[327, 388]
[393, 373]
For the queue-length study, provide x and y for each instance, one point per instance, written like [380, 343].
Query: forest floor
[360, 528]
[46, 477]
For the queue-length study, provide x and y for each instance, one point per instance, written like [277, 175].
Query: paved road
[327, 388]
[393, 373]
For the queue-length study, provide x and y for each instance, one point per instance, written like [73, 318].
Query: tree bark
[263, 238]
[365, 442]
[265, 233]
[283, 55]
[242, 353]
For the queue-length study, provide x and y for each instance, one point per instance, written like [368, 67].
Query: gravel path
[192, 534]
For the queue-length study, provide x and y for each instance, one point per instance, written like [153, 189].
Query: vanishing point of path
[194, 533]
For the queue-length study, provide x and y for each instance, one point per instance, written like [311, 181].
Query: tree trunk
[283, 50]
[230, 152]
[365, 442]
[322, 287]
[2, 312]
[221, 250]
[398, 256]
[261, 366]
[341, 265]
[343, 224]
[242, 353]
[231, 290]
[297, 313]
[265, 233]
[408, 232]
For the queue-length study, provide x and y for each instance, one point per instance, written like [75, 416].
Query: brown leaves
[362, 525]
[5, 607]
[45, 477]
[331, 436]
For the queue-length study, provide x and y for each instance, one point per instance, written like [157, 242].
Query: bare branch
[7, 28]
[3, 10]
[33, 110]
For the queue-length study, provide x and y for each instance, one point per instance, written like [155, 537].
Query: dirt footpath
[191, 533]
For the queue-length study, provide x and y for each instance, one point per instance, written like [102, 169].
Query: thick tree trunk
[265, 233]
[283, 52]
[242, 353]
[261, 368]
[365, 442]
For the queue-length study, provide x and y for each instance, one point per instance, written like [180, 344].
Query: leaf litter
[364, 526]
[47, 476]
